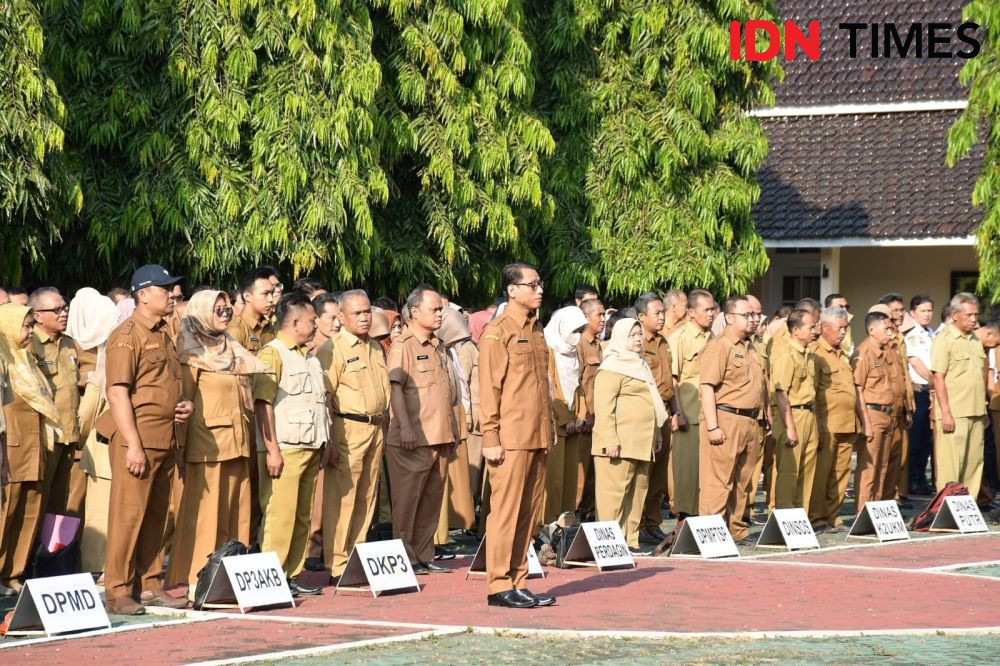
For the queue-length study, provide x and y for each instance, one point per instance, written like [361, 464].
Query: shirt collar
[148, 322]
[251, 321]
[287, 341]
[42, 336]
[521, 319]
[732, 336]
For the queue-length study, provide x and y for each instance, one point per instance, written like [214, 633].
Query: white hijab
[562, 335]
[90, 315]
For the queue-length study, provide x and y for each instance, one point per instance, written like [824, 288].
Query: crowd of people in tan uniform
[303, 422]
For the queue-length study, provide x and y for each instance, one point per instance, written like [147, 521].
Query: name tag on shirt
[738, 356]
[353, 359]
[523, 341]
[423, 357]
[47, 362]
[152, 345]
[254, 338]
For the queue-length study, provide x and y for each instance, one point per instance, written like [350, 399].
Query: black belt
[749, 413]
[360, 418]
[808, 406]
[885, 409]
[920, 388]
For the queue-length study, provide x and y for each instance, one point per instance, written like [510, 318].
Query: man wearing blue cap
[145, 396]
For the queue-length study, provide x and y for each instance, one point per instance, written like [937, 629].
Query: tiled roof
[874, 175]
[838, 79]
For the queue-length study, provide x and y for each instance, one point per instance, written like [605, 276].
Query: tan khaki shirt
[836, 394]
[873, 372]
[961, 359]
[251, 333]
[220, 428]
[420, 367]
[656, 354]
[686, 344]
[356, 374]
[590, 353]
[731, 367]
[794, 373]
[514, 399]
[57, 359]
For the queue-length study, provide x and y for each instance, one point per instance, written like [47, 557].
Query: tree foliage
[981, 118]
[382, 142]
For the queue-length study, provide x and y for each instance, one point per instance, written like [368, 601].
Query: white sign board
[58, 605]
[706, 537]
[882, 519]
[788, 528]
[378, 566]
[255, 580]
[478, 566]
[599, 544]
[959, 513]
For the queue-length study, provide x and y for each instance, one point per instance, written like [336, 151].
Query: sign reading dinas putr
[706, 537]
[601, 544]
[256, 580]
[959, 513]
[58, 605]
[378, 566]
[788, 528]
[882, 519]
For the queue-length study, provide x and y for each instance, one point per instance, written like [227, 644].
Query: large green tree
[654, 175]
[981, 120]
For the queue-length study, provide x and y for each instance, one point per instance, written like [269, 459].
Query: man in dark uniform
[144, 394]
[516, 422]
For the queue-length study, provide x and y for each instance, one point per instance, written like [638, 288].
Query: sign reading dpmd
[58, 605]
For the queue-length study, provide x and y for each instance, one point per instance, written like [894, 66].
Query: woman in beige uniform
[92, 317]
[628, 415]
[28, 410]
[215, 506]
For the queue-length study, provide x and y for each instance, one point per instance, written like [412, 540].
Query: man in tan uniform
[838, 413]
[291, 410]
[686, 345]
[879, 393]
[733, 404]
[897, 481]
[253, 329]
[958, 369]
[589, 351]
[675, 303]
[656, 353]
[422, 431]
[793, 375]
[359, 388]
[516, 421]
[759, 338]
[840, 301]
[57, 359]
[145, 398]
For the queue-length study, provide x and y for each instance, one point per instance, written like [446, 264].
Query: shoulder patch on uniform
[125, 343]
[151, 345]
[490, 336]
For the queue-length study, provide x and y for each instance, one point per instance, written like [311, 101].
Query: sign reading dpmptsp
[706, 537]
[256, 580]
[959, 513]
[58, 605]
[882, 519]
[601, 544]
[379, 566]
[789, 528]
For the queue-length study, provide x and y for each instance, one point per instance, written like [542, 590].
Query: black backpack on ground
[207, 574]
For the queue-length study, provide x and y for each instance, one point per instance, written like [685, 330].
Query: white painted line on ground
[856, 546]
[861, 567]
[317, 620]
[740, 635]
[103, 632]
[328, 649]
[963, 565]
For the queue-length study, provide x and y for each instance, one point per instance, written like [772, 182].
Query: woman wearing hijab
[457, 510]
[92, 317]
[28, 410]
[564, 471]
[628, 415]
[215, 506]
[477, 322]
[395, 329]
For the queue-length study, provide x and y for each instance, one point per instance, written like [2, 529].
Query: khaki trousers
[658, 484]
[959, 454]
[93, 545]
[137, 516]
[562, 472]
[895, 462]
[725, 470]
[833, 468]
[21, 517]
[797, 464]
[215, 508]
[475, 465]
[55, 481]
[457, 510]
[684, 470]
[350, 492]
[418, 479]
[76, 503]
[517, 487]
[287, 507]
[620, 492]
[764, 465]
[870, 469]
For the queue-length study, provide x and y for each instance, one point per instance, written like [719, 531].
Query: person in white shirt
[918, 351]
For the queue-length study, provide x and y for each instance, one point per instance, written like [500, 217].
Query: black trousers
[921, 439]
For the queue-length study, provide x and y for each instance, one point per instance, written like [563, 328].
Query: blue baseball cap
[153, 275]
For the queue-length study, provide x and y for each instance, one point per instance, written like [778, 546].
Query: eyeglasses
[223, 312]
[534, 286]
[59, 310]
[748, 315]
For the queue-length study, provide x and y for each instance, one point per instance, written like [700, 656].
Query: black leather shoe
[510, 599]
[434, 568]
[539, 599]
[314, 564]
[298, 588]
[443, 553]
[649, 536]
[639, 552]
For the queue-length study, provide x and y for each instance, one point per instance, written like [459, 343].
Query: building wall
[863, 274]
